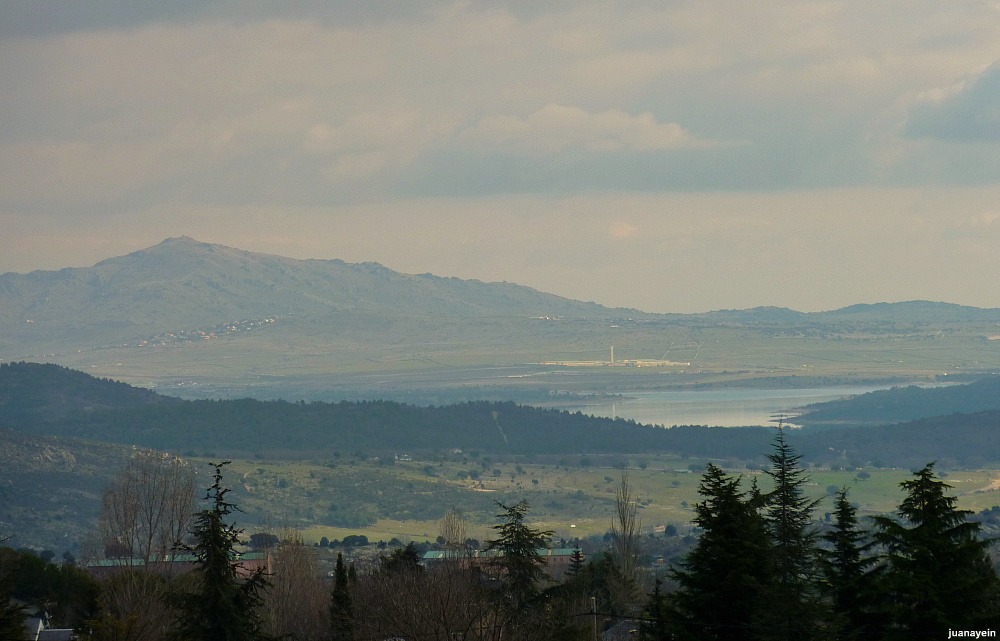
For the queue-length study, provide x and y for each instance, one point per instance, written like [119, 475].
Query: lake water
[721, 407]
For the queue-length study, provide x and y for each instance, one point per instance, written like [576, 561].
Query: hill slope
[51, 488]
[300, 430]
[905, 404]
[183, 284]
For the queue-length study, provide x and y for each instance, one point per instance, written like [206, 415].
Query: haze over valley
[332, 321]
[200, 321]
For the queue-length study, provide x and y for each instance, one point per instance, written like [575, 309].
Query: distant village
[217, 331]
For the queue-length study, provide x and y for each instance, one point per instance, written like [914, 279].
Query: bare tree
[453, 530]
[446, 602]
[625, 529]
[147, 507]
[297, 599]
[135, 607]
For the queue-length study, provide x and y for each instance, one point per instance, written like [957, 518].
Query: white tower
[612, 354]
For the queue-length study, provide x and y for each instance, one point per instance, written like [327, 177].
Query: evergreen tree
[402, 559]
[575, 563]
[721, 582]
[341, 608]
[939, 574]
[224, 606]
[11, 618]
[794, 608]
[655, 628]
[519, 565]
[850, 576]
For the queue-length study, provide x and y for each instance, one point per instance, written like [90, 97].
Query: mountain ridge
[183, 283]
[184, 308]
[173, 248]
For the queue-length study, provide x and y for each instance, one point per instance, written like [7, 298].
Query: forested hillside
[36, 392]
[101, 410]
[906, 404]
[50, 488]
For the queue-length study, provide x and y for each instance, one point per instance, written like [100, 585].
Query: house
[557, 561]
[624, 630]
[37, 629]
[174, 564]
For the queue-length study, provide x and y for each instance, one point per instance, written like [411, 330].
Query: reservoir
[718, 407]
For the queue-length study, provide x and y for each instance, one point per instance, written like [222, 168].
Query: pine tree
[519, 565]
[850, 576]
[655, 627]
[341, 608]
[404, 559]
[722, 580]
[11, 618]
[224, 606]
[575, 563]
[794, 611]
[939, 574]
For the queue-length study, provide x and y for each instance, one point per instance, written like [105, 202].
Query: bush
[262, 540]
[355, 540]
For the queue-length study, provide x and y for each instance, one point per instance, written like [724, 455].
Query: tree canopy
[939, 575]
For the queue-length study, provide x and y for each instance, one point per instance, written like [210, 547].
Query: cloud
[557, 128]
[622, 230]
[109, 104]
[47, 17]
[967, 111]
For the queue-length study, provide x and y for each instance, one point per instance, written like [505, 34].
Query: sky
[669, 156]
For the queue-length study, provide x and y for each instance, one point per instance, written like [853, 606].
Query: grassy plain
[406, 499]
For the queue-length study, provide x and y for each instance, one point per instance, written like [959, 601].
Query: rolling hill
[114, 412]
[908, 403]
[63, 434]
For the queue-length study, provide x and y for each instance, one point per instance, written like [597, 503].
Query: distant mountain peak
[183, 284]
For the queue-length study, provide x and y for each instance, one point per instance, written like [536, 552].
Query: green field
[404, 501]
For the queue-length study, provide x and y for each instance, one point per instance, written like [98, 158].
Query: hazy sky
[670, 156]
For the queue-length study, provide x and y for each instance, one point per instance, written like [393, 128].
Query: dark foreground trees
[753, 574]
[341, 608]
[68, 593]
[723, 580]
[792, 610]
[850, 577]
[938, 572]
[223, 605]
[758, 570]
[519, 568]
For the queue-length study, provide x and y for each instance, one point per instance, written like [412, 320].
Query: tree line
[52, 401]
[761, 569]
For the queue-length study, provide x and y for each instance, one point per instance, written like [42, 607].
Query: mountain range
[182, 283]
[186, 313]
